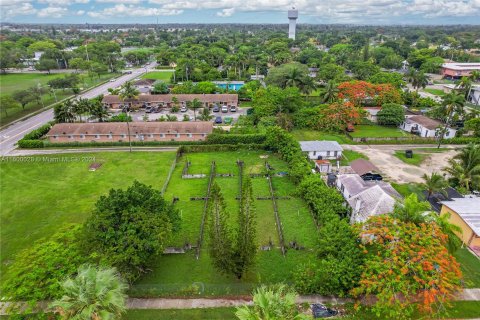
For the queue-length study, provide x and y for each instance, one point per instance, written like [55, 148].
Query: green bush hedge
[220, 147]
[461, 140]
[217, 138]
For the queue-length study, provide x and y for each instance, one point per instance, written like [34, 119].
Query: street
[10, 135]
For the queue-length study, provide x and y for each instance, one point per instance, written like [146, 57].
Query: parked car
[216, 108]
[224, 109]
[113, 80]
[218, 120]
[233, 109]
[128, 72]
[149, 109]
[228, 120]
[183, 109]
[321, 311]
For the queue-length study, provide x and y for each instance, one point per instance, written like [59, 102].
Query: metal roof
[320, 146]
[468, 209]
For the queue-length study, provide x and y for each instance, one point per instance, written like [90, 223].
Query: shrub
[235, 139]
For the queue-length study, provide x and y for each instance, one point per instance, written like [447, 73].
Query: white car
[113, 80]
[183, 109]
[224, 109]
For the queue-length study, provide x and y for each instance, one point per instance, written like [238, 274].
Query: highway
[10, 135]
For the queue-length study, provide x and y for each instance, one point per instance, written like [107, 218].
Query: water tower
[292, 22]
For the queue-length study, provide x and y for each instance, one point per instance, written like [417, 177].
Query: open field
[349, 156]
[158, 75]
[307, 134]
[437, 92]
[9, 83]
[416, 159]
[376, 131]
[179, 314]
[470, 266]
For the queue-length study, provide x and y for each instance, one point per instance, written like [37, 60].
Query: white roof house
[468, 209]
[322, 149]
[366, 198]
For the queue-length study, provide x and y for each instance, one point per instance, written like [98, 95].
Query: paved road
[10, 136]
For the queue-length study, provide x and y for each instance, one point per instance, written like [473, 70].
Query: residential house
[456, 70]
[465, 213]
[436, 198]
[363, 167]
[165, 100]
[474, 96]
[138, 131]
[366, 198]
[372, 113]
[144, 86]
[322, 149]
[425, 127]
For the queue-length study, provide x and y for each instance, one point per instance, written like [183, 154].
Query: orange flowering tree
[407, 266]
[362, 93]
[337, 115]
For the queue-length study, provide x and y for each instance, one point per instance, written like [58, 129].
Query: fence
[205, 208]
[275, 210]
[170, 172]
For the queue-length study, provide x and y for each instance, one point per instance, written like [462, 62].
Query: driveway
[398, 171]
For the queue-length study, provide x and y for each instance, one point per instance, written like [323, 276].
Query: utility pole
[128, 130]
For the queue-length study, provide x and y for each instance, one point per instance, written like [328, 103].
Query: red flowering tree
[407, 266]
[336, 116]
[362, 93]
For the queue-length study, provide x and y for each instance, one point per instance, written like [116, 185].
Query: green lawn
[437, 92]
[38, 197]
[181, 314]
[349, 156]
[416, 159]
[306, 135]
[12, 82]
[376, 131]
[158, 75]
[470, 265]
[405, 189]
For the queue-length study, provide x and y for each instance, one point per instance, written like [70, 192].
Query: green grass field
[437, 92]
[179, 314]
[349, 156]
[376, 131]
[405, 189]
[416, 159]
[306, 135]
[9, 83]
[470, 265]
[158, 75]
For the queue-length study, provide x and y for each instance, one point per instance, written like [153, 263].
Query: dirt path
[398, 171]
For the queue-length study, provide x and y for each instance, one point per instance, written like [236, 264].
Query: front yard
[376, 131]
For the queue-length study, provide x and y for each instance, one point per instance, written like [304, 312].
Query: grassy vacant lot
[185, 314]
[37, 197]
[437, 92]
[470, 265]
[416, 159]
[9, 83]
[376, 131]
[405, 189]
[306, 135]
[349, 156]
[159, 75]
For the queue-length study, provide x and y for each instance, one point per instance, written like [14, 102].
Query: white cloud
[121, 10]
[226, 12]
[80, 12]
[63, 3]
[5, 3]
[52, 12]
[23, 9]
[120, 1]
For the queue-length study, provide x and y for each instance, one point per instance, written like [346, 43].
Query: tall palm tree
[82, 106]
[65, 112]
[434, 183]
[331, 92]
[270, 303]
[196, 104]
[420, 80]
[412, 210]
[128, 92]
[465, 85]
[93, 294]
[452, 103]
[475, 75]
[465, 167]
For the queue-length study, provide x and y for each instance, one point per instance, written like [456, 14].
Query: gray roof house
[322, 149]
[366, 198]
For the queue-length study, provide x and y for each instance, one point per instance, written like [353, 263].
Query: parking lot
[140, 114]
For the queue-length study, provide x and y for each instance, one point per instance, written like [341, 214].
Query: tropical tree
[465, 86]
[7, 102]
[464, 168]
[23, 97]
[65, 112]
[331, 92]
[391, 114]
[434, 183]
[175, 107]
[194, 105]
[114, 91]
[269, 303]
[81, 107]
[412, 210]
[95, 293]
[205, 114]
[97, 110]
[128, 91]
[420, 80]
[452, 103]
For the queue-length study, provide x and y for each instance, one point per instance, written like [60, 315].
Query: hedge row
[217, 138]
[460, 140]
[220, 147]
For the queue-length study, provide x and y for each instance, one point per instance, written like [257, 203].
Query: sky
[369, 12]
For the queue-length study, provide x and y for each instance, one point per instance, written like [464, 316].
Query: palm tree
[205, 115]
[412, 210]
[475, 75]
[195, 104]
[465, 85]
[331, 92]
[65, 112]
[420, 80]
[93, 294]
[98, 111]
[128, 91]
[82, 106]
[434, 183]
[452, 103]
[114, 91]
[451, 230]
[465, 167]
[270, 303]
[175, 104]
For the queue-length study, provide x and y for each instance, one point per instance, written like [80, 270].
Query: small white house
[474, 96]
[322, 149]
[425, 127]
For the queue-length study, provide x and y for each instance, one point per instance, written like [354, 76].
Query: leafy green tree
[331, 71]
[272, 100]
[474, 125]
[275, 302]
[205, 115]
[65, 112]
[205, 87]
[391, 114]
[46, 65]
[290, 75]
[364, 69]
[37, 271]
[160, 87]
[331, 92]
[245, 246]
[392, 78]
[128, 92]
[464, 168]
[195, 105]
[121, 117]
[97, 110]
[7, 102]
[94, 293]
[452, 103]
[129, 226]
[412, 210]
[434, 183]
[220, 238]
[23, 97]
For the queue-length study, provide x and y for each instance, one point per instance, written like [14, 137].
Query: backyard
[307, 135]
[159, 75]
[376, 131]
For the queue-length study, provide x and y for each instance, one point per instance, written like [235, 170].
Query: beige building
[139, 131]
[465, 213]
[165, 100]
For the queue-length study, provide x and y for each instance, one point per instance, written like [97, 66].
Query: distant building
[322, 149]
[139, 131]
[292, 23]
[457, 70]
[165, 100]
[366, 198]
[465, 213]
[425, 127]
[231, 85]
[474, 96]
